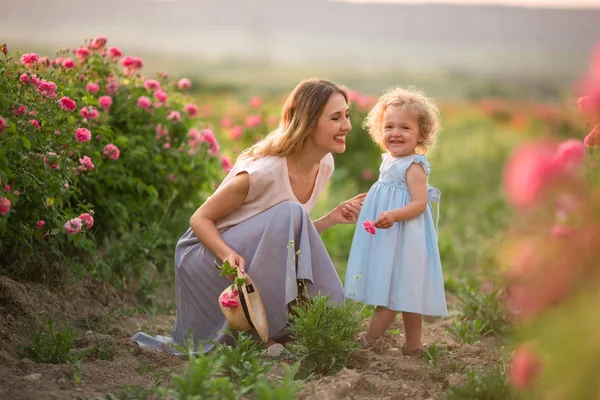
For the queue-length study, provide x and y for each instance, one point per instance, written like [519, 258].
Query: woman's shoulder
[259, 163]
[328, 161]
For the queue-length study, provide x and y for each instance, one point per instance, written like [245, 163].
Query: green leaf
[54, 231]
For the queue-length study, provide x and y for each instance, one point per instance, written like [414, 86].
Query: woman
[262, 205]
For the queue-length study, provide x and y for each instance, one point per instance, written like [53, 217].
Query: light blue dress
[399, 267]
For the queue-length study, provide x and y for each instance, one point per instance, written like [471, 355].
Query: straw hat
[244, 308]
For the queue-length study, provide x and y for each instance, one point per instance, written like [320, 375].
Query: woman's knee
[289, 208]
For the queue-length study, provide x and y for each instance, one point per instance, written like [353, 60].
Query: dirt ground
[104, 321]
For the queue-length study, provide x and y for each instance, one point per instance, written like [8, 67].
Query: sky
[523, 3]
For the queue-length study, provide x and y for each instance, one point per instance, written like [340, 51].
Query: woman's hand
[235, 261]
[348, 211]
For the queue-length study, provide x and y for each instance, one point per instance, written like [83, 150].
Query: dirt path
[103, 322]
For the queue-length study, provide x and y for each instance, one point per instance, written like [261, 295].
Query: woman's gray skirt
[263, 242]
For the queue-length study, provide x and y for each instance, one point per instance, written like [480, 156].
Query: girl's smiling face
[401, 131]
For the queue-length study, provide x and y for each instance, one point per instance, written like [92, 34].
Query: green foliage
[243, 362]
[50, 345]
[490, 385]
[324, 333]
[433, 355]
[485, 309]
[160, 174]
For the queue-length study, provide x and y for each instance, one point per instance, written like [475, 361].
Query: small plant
[485, 307]
[242, 362]
[101, 350]
[490, 385]
[286, 389]
[324, 333]
[203, 377]
[433, 356]
[137, 393]
[76, 372]
[49, 345]
[467, 332]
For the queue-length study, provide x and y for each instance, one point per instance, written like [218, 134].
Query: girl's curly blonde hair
[421, 107]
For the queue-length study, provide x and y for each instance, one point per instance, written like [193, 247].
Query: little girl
[394, 261]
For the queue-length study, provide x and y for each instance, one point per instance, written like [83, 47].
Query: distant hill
[417, 38]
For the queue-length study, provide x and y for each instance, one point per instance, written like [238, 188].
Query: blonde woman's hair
[299, 117]
[415, 102]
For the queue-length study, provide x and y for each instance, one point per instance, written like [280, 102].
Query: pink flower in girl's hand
[368, 225]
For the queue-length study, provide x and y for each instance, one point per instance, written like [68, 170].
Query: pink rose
[98, 43]
[143, 102]
[24, 78]
[73, 226]
[570, 153]
[236, 132]
[86, 164]
[191, 110]
[593, 138]
[114, 52]
[174, 116]
[83, 135]
[161, 96]
[161, 131]
[68, 63]
[528, 171]
[524, 367]
[20, 110]
[67, 104]
[112, 87]
[46, 88]
[368, 226]
[111, 151]
[151, 84]
[184, 83]
[105, 102]
[7, 188]
[253, 121]
[4, 205]
[88, 219]
[89, 112]
[82, 53]
[40, 223]
[256, 102]
[2, 124]
[226, 122]
[230, 302]
[28, 59]
[226, 164]
[92, 87]
[35, 123]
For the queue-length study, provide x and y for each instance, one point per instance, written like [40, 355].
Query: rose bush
[93, 155]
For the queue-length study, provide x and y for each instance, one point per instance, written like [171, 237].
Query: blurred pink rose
[83, 135]
[524, 367]
[73, 226]
[67, 104]
[4, 205]
[111, 151]
[184, 83]
[92, 87]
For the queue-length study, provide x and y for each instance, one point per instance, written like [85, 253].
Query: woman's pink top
[270, 185]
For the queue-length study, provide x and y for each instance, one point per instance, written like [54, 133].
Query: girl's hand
[385, 220]
[236, 261]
